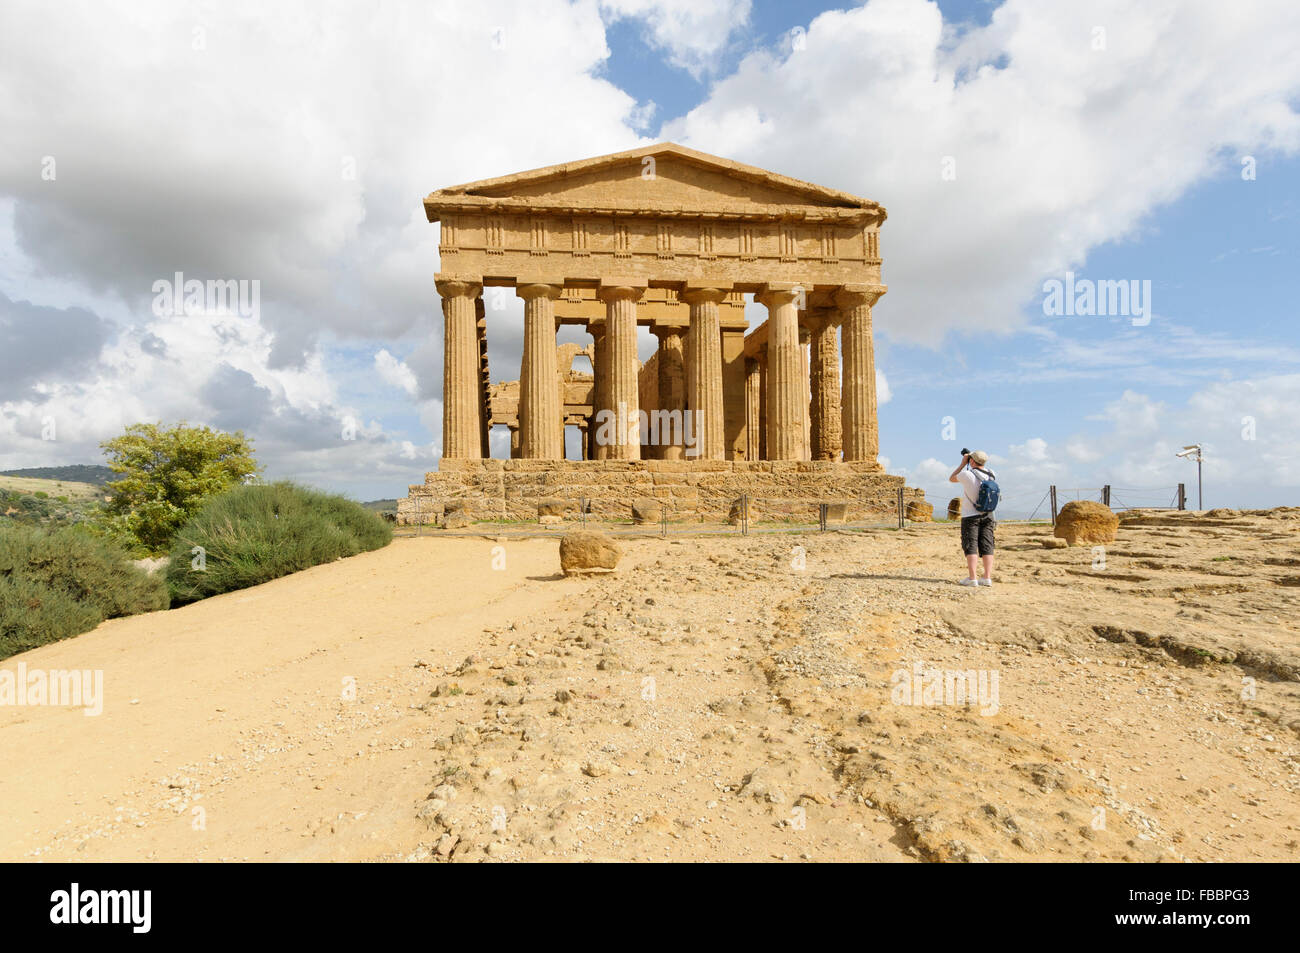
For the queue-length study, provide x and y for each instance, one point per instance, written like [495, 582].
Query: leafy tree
[167, 475]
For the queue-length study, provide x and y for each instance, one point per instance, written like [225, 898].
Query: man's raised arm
[965, 459]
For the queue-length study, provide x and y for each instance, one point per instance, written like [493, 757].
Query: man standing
[976, 525]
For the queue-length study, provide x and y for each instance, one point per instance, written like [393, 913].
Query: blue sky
[1118, 160]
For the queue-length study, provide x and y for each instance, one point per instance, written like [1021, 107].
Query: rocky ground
[720, 698]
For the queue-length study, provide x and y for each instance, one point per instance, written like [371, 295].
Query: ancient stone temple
[670, 239]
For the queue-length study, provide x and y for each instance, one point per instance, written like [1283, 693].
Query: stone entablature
[664, 214]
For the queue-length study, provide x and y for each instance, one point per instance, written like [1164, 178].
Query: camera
[965, 452]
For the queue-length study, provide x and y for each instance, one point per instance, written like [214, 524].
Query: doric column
[733, 393]
[623, 390]
[672, 386]
[485, 380]
[514, 441]
[541, 427]
[705, 376]
[753, 394]
[599, 387]
[824, 374]
[858, 401]
[461, 425]
[761, 359]
[785, 387]
[805, 384]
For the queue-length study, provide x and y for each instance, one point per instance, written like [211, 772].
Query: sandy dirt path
[235, 705]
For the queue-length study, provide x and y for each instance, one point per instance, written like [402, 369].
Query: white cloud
[1058, 148]
[1133, 414]
[1033, 464]
[692, 32]
[1033, 450]
[928, 472]
[396, 372]
[1081, 451]
[883, 393]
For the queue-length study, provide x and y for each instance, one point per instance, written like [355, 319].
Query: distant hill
[77, 473]
[381, 506]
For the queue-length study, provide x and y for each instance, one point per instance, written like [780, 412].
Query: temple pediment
[664, 179]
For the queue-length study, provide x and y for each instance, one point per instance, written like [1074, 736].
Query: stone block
[919, 511]
[588, 551]
[837, 512]
[646, 509]
[1086, 521]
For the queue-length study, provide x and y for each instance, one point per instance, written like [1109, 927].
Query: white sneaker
[988, 583]
[970, 582]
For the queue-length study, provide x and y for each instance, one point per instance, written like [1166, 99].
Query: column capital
[528, 290]
[662, 331]
[818, 319]
[451, 286]
[853, 296]
[777, 293]
[703, 292]
[621, 289]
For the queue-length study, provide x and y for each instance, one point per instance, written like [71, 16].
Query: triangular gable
[664, 176]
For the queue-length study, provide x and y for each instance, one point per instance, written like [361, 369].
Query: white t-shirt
[970, 489]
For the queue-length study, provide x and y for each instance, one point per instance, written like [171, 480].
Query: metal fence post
[1182, 496]
[1053, 491]
[744, 514]
[1105, 494]
[902, 510]
[821, 515]
[419, 517]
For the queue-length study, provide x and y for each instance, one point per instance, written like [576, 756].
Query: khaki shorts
[977, 534]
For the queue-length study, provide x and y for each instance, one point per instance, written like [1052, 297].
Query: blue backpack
[986, 501]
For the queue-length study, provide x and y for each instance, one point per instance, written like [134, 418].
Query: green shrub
[59, 583]
[90, 570]
[33, 614]
[252, 534]
[115, 528]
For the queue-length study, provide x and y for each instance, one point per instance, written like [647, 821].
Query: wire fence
[1118, 498]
